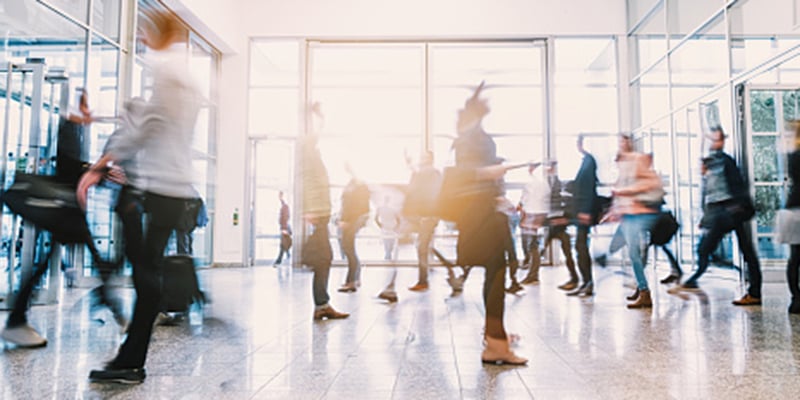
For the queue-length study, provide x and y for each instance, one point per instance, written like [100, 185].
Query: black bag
[180, 287]
[663, 229]
[50, 205]
[601, 206]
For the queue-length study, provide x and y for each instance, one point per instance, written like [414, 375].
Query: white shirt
[536, 195]
[164, 137]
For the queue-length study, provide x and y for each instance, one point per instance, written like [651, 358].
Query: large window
[384, 103]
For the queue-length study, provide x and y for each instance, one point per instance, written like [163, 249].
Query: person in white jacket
[162, 145]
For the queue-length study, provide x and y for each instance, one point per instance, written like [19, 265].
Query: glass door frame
[747, 141]
[306, 125]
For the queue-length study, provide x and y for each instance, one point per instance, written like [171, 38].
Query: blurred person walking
[637, 198]
[317, 252]
[354, 214]
[285, 231]
[557, 222]
[727, 206]
[163, 142]
[535, 204]
[584, 203]
[482, 230]
[420, 208]
[789, 223]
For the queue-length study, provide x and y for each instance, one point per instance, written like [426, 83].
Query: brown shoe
[419, 287]
[329, 313]
[748, 300]
[643, 301]
[571, 285]
[388, 295]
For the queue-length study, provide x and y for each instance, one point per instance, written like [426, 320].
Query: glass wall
[82, 42]
[720, 62]
[384, 102]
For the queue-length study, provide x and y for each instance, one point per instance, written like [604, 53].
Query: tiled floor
[258, 341]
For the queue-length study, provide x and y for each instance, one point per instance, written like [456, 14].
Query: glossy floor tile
[258, 341]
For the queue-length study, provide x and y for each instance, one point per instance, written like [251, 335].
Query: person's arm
[92, 177]
[733, 176]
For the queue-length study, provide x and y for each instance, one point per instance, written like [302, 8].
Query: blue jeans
[635, 228]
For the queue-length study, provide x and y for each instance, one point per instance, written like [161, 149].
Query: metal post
[3, 168]
[34, 141]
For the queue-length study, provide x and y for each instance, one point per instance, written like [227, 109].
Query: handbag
[787, 225]
[663, 229]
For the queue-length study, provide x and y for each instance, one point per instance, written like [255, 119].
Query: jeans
[582, 248]
[427, 227]
[720, 225]
[635, 228]
[164, 215]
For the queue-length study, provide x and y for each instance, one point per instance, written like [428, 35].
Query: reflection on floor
[258, 341]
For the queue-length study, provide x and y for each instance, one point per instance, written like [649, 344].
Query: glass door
[272, 173]
[766, 112]
[372, 96]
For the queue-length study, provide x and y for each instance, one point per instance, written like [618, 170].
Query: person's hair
[718, 128]
[166, 26]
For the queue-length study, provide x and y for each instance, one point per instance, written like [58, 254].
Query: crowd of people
[150, 157]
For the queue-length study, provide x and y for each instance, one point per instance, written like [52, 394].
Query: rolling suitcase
[180, 287]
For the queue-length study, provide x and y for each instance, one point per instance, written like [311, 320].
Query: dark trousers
[281, 251]
[164, 214]
[719, 226]
[349, 232]
[674, 266]
[494, 295]
[530, 243]
[560, 233]
[18, 314]
[582, 248]
[321, 238]
[793, 272]
[510, 250]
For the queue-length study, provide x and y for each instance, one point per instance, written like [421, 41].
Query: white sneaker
[23, 336]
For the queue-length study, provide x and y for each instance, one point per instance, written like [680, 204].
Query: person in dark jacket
[286, 230]
[583, 201]
[727, 206]
[482, 230]
[793, 201]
